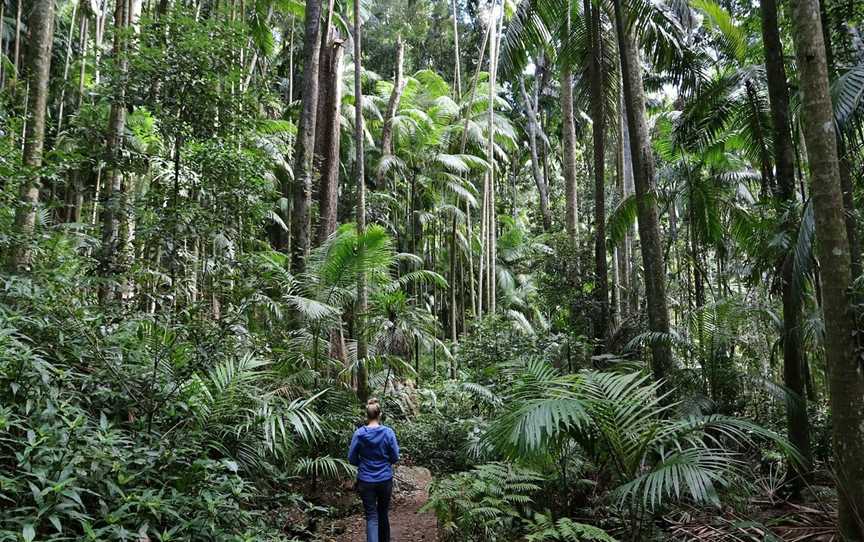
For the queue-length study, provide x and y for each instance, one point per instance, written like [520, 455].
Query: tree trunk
[328, 192]
[392, 106]
[846, 182]
[846, 378]
[568, 126]
[16, 60]
[453, 256]
[113, 257]
[598, 118]
[304, 151]
[41, 26]
[784, 159]
[643, 178]
[533, 128]
[66, 65]
[457, 66]
[362, 369]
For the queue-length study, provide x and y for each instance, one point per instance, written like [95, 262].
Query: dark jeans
[376, 505]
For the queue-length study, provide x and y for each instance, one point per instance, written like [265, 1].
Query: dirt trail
[407, 524]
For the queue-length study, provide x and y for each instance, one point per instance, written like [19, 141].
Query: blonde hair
[373, 409]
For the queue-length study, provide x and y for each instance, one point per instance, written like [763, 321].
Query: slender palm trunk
[784, 159]
[457, 65]
[643, 177]
[41, 23]
[476, 293]
[598, 121]
[305, 146]
[490, 208]
[362, 369]
[846, 378]
[453, 255]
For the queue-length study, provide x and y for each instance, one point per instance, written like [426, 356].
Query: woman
[373, 451]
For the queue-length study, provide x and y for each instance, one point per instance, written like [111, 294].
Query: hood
[372, 435]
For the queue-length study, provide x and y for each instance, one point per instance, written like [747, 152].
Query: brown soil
[407, 524]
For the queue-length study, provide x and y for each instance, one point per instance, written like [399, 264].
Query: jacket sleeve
[354, 451]
[394, 448]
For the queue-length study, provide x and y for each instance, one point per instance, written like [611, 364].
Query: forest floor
[407, 523]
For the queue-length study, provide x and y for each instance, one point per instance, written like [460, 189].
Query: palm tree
[623, 422]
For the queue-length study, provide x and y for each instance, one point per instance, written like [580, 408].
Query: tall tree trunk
[488, 227]
[4, 50]
[362, 369]
[628, 190]
[533, 129]
[113, 257]
[392, 106]
[66, 64]
[457, 70]
[41, 27]
[784, 159]
[304, 151]
[643, 178]
[846, 377]
[328, 126]
[85, 22]
[568, 127]
[16, 60]
[476, 293]
[846, 183]
[453, 256]
[598, 121]
[493, 214]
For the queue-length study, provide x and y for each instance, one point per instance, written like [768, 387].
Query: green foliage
[543, 528]
[484, 504]
[621, 420]
[77, 467]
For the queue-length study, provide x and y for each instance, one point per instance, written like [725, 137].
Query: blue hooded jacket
[374, 450]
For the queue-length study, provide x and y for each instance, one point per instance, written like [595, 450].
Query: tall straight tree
[845, 373]
[784, 160]
[115, 190]
[568, 128]
[593, 20]
[328, 128]
[646, 206]
[38, 65]
[304, 151]
[362, 294]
